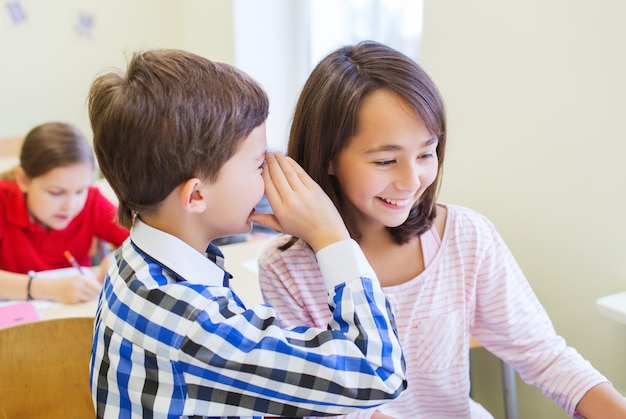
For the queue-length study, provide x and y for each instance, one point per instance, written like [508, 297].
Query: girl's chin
[54, 224]
[58, 226]
[395, 223]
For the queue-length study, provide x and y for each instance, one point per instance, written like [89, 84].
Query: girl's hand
[68, 289]
[301, 208]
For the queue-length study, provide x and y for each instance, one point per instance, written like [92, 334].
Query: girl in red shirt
[48, 206]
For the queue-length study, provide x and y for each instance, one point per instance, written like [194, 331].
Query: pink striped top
[473, 285]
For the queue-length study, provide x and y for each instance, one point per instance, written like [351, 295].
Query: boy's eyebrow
[394, 147]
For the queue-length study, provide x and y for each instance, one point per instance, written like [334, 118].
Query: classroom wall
[48, 64]
[535, 93]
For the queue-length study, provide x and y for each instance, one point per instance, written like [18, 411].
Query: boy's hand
[301, 208]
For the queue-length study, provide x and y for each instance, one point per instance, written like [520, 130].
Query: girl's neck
[376, 238]
[35, 220]
[393, 263]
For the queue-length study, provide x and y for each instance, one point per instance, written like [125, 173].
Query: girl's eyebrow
[431, 141]
[394, 147]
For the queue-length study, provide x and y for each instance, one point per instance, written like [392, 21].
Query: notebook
[17, 313]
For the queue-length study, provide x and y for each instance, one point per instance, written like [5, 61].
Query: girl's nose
[70, 201]
[409, 177]
[67, 203]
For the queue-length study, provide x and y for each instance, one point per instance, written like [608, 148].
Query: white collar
[176, 255]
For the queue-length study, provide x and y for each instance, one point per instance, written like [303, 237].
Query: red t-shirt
[26, 245]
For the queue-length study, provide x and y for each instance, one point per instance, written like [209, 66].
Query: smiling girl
[370, 128]
[48, 206]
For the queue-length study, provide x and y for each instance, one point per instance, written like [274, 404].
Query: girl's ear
[22, 179]
[331, 169]
[192, 196]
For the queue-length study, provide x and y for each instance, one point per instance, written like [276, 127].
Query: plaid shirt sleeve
[165, 346]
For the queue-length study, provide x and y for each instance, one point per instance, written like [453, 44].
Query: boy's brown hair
[326, 118]
[173, 116]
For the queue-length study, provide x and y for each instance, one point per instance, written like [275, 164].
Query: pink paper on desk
[18, 313]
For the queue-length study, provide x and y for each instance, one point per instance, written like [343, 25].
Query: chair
[508, 385]
[11, 146]
[44, 369]
[10, 152]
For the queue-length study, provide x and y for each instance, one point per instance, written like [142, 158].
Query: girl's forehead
[75, 174]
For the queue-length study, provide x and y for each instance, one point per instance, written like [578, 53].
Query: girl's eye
[384, 163]
[427, 156]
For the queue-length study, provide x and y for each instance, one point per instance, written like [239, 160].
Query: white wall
[47, 67]
[207, 28]
[271, 45]
[536, 93]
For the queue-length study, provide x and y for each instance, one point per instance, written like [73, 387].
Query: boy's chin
[235, 236]
[245, 229]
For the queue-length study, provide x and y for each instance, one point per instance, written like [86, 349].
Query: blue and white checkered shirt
[171, 340]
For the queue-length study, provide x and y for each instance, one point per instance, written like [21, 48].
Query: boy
[181, 140]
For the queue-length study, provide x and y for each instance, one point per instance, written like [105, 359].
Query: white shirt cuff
[343, 261]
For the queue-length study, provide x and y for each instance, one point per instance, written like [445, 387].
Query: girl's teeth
[398, 202]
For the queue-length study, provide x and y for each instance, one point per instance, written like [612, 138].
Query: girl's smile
[398, 203]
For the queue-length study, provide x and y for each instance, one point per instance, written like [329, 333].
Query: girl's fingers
[302, 176]
[278, 189]
[267, 220]
[276, 173]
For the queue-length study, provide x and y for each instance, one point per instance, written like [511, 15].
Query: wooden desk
[613, 306]
[87, 309]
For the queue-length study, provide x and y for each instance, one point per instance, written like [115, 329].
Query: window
[397, 23]
[278, 42]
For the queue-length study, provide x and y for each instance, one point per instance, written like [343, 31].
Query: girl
[370, 128]
[48, 207]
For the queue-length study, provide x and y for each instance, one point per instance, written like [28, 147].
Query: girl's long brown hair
[325, 119]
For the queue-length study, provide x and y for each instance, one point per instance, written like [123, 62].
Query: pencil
[71, 259]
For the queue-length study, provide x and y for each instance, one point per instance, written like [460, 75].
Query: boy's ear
[192, 196]
[22, 179]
